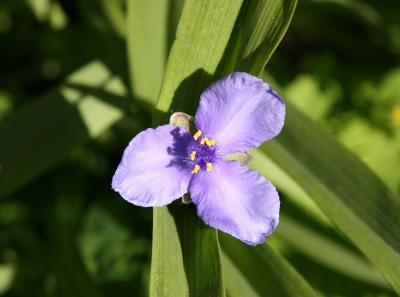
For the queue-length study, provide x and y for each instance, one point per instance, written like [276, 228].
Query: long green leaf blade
[185, 255]
[349, 194]
[304, 240]
[147, 47]
[268, 273]
[202, 36]
[235, 283]
[330, 253]
[259, 30]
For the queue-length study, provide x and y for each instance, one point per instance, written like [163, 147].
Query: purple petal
[240, 111]
[236, 200]
[153, 171]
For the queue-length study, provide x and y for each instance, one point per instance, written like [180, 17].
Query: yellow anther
[197, 135]
[192, 155]
[203, 140]
[210, 142]
[196, 169]
[208, 167]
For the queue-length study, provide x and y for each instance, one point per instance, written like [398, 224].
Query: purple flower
[160, 165]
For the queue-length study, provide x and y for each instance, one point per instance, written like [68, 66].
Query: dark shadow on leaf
[187, 95]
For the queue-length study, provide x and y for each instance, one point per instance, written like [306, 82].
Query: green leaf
[202, 36]
[185, 255]
[298, 237]
[260, 28]
[115, 14]
[265, 270]
[147, 47]
[349, 194]
[263, 164]
[330, 253]
[45, 131]
[235, 283]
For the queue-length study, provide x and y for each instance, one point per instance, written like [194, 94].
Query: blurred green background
[67, 233]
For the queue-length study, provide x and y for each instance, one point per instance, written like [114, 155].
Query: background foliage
[79, 79]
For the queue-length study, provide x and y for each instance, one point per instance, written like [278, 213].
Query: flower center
[202, 153]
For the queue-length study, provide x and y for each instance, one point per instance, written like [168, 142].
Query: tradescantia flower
[160, 165]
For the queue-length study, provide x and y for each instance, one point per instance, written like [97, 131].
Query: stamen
[208, 167]
[203, 140]
[197, 135]
[196, 169]
[192, 155]
[210, 142]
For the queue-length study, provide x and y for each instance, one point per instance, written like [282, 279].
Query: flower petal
[153, 171]
[240, 111]
[236, 200]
